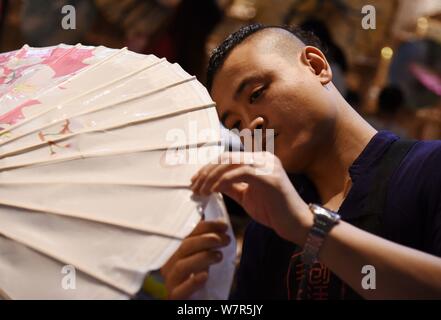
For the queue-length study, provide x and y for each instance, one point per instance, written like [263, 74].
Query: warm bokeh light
[422, 25]
[387, 53]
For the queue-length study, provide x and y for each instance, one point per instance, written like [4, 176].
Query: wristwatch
[324, 220]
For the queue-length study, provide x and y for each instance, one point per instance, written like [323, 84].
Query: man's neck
[330, 170]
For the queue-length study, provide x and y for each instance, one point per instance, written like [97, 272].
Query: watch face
[324, 214]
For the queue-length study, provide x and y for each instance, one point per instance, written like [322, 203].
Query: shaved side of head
[276, 39]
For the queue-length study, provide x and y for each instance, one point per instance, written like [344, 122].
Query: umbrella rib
[115, 126]
[3, 131]
[128, 75]
[81, 216]
[98, 277]
[77, 156]
[100, 108]
[152, 184]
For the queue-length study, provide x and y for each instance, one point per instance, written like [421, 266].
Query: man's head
[276, 78]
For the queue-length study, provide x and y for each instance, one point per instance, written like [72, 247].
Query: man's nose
[257, 123]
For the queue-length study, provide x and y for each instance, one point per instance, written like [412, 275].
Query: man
[387, 191]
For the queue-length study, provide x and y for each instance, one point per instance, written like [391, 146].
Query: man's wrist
[305, 225]
[323, 221]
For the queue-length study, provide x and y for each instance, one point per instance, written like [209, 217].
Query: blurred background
[391, 74]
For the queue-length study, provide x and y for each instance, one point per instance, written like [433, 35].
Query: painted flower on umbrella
[28, 71]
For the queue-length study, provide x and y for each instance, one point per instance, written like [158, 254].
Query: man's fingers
[226, 161]
[217, 226]
[235, 191]
[213, 176]
[199, 178]
[234, 183]
[237, 176]
[195, 244]
[203, 242]
[194, 264]
[207, 235]
[189, 286]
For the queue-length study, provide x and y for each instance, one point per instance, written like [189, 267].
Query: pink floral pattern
[63, 60]
[16, 114]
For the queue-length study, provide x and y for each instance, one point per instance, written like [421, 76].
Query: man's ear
[315, 60]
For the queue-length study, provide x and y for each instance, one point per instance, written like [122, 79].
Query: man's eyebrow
[244, 83]
[224, 117]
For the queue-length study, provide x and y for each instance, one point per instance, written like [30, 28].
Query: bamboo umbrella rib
[115, 126]
[105, 106]
[61, 84]
[84, 216]
[94, 66]
[102, 278]
[77, 156]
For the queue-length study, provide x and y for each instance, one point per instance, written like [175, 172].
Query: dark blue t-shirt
[411, 216]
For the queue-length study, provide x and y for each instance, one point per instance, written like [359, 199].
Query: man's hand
[260, 185]
[187, 269]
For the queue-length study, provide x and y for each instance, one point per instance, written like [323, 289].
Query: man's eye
[255, 95]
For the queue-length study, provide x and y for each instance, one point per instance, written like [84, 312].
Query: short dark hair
[220, 54]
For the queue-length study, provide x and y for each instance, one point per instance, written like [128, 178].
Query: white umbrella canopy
[97, 147]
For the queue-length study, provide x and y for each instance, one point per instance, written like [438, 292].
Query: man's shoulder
[416, 183]
[428, 150]
[423, 166]
[423, 162]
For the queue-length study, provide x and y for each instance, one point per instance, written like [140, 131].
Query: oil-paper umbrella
[97, 148]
